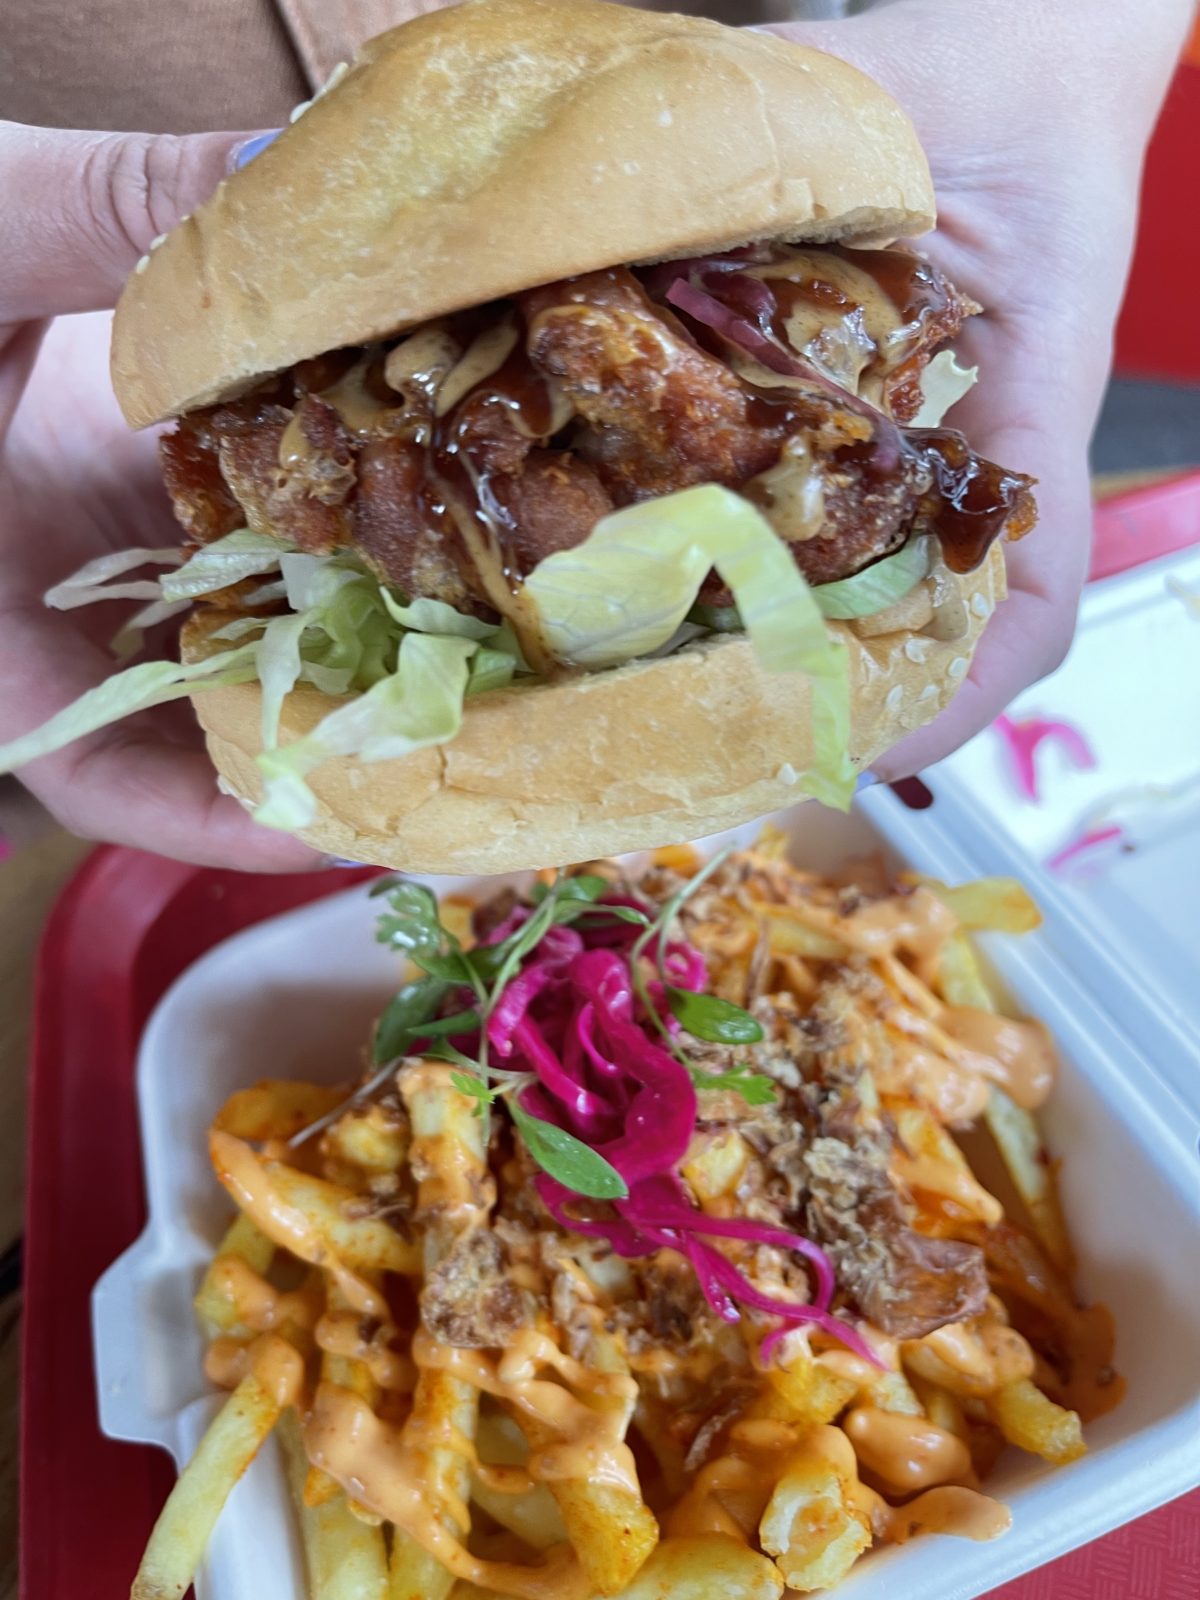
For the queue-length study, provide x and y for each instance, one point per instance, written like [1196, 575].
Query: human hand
[80, 208]
[1035, 119]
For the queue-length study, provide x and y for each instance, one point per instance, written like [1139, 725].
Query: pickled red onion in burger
[557, 442]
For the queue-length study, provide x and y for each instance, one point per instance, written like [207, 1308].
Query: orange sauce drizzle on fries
[383, 1467]
[243, 1175]
[906, 1452]
[1016, 1055]
[258, 1304]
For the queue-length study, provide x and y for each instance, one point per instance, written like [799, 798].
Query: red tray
[125, 928]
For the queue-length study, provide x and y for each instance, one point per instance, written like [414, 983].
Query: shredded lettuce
[408, 664]
[93, 582]
[880, 585]
[625, 591]
[151, 683]
[278, 662]
[215, 566]
[417, 705]
[435, 616]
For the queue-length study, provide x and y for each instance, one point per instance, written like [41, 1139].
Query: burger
[557, 440]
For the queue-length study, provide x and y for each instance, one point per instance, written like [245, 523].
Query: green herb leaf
[443, 1050]
[586, 886]
[452, 968]
[405, 1015]
[718, 1021]
[412, 923]
[451, 1027]
[754, 1089]
[576, 1165]
[467, 1083]
[596, 915]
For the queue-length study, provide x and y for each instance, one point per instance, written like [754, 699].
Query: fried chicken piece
[203, 504]
[554, 501]
[661, 412]
[395, 533]
[300, 501]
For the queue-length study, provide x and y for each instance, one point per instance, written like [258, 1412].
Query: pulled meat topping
[455, 460]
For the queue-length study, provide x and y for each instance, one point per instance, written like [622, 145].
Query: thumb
[80, 208]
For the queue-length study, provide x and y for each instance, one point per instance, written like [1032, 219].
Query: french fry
[277, 1108]
[1031, 1421]
[942, 1409]
[457, 913]
[702, 1567]
[449, 1154]
[612, 1529]
[1014, 1129]
[313, 1219]
[1000, 905]
[928, 1158]
[243, 1241]
[971, 1374]
[696, 1567]
[789, 935]
[1019, 1141]
[681, 858]
[371, 1137]
[811, 1525]
[531, 1513]
[715, 1165]
[811, 1393]
[347, 1373]
[344, 1557]
[960, 980]
[233, 1439]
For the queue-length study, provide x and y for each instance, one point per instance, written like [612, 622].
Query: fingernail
[245, 153]
[864, 781]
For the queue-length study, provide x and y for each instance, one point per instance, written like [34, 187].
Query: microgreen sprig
[704, 1016]
[412, 925]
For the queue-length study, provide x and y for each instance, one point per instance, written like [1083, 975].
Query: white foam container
[294, 997]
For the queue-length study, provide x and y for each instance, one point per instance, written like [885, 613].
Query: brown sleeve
[146, 64]
[324, 32]
[180, 68]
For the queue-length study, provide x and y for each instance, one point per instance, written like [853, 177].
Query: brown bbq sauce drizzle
[458, 462]
[970, 501]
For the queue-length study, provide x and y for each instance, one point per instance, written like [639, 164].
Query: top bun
[496, 145]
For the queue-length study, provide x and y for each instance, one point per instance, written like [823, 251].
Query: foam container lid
[295, 997]
[1131, 688]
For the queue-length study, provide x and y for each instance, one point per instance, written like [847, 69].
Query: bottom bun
[647, 754]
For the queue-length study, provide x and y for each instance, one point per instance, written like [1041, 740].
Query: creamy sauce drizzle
[1019, 1056]
[906, 1452]
[257, 1304]
[276, 1364]
[243, 1175]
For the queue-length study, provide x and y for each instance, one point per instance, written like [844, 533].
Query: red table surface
[127, 925]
